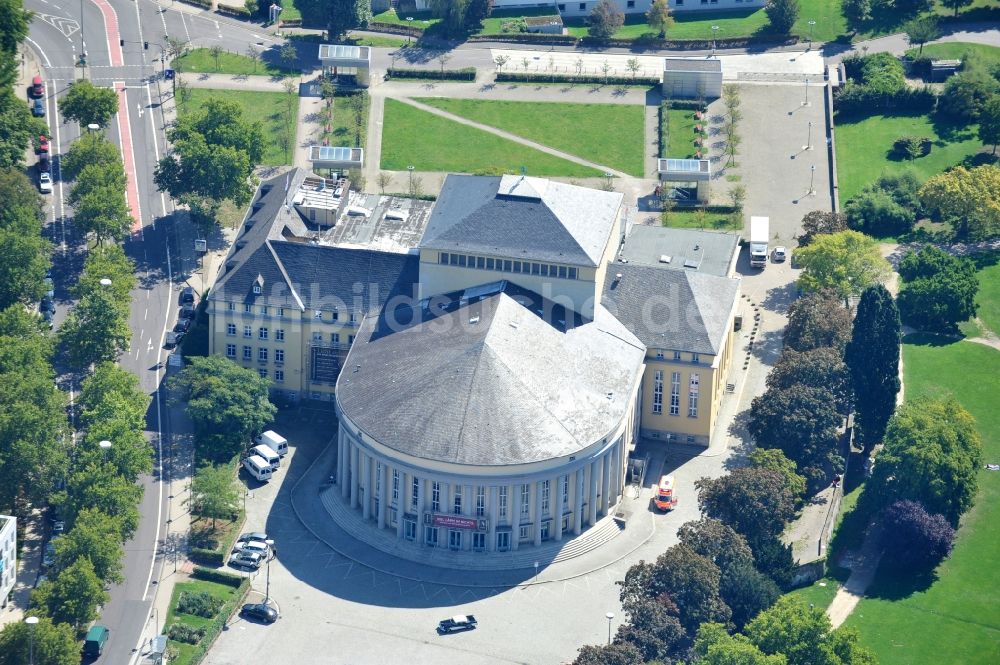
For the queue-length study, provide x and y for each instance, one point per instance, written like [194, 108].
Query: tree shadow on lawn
[893, 583]
[950, 130]
[930, 339]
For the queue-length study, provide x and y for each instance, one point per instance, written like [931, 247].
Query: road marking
[57, 167]
[156, 147]
[187, 33]
[125, 136]
[111, 35]
[66, 26]
[40, 51]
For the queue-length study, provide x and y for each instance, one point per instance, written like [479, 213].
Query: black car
[182, 325]
[456, 623]
[260, 612]
[172, 339]
[47, 305]
[187, 311]
[187, 295]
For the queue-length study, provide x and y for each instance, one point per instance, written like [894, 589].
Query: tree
[88, 104]
[289, 54]
[652, 627]
[782, 15]
[605, 19]
[775, 460]
[717, 542]
[340, 15]
[501, 61]
[17, 126]
[659, 17]
[913, 539]
[803, 635]
[818, 320]
[819, 222]
[817, 368]
[254, 54]
[97, 329]
[91, 148]
[919, 31]
[692, 582]
[956, 4]
[97, 537]
[477, 12]
[633, 66]
[25, 256]
[107, 262]
[754, 502]
[96, 484]
[226, 402]
[939, 290]
[113, 408]
[94, 177]
[847, 262]
[442, 57]
[715, 646]
[747, 592]
[873, 358]
[104, 212]
[932, 454]
[874, 211]
[383, 180]
[214, 493]
[989, 123]
[619, 653]
[452, 13]
[969, 198]
[966, 94]
[73, 595]
[49, 643]
[177, 46]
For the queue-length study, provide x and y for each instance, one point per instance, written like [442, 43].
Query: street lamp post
[715, 31]
[809, 142]
[811, 24]
[31, 621]
[267, 584]
[812, 178]
[806, 102]
[609, 616]
[410, 170]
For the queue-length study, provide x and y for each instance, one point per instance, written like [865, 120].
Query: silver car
[247, 560]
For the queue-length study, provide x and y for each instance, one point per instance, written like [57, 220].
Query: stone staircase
[385, 540]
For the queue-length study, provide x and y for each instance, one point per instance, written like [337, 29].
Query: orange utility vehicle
[665, 498]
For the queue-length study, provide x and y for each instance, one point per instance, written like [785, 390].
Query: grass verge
[276, 111]
[200, 61]
[697, 219]
[607, 134]
[186, 654]
[413, 137]
[680, 133]
[988, 55]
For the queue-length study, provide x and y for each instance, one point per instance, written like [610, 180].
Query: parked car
[246, 560]
[49, 317]
[50, 288]
[38, 108]
[58, 526]
[43, 143]
[187, 295]
[97, 637]
[187, 311]
[45, 183]
[252, 535]
[37, 88]
[456, 623]
[44, 165]
[258, 546]
[779, 254]
[49, 554]
[182, 325]
[47, 305]
[260, 612]
[172, 339]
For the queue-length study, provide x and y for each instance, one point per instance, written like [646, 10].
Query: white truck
[759, 231]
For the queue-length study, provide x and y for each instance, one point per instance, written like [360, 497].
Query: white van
[258, 468]
[269, 455]
[274, 441]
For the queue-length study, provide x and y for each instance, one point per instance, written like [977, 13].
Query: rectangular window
[695, 358]
[436, 497]
[503, 502]
[247, 331]
[354, 317]
[248, 308]
[507, 266]
[454, 539]
[262, 333]
[457, 509]
[453, 259]
[395, 485]
[535, 269]
[431, 536]
[658, 392]
[546, 490]
[317, 337]
[443, 258]
[414, 493]
[489, 264]
[335, 315]
[247, 353]
[230, 350]
[461, 260]
[231, 306]
[630, 4]
[503, 541]
[231, 329]
[281, 312]
[262, 372]
[263, 310]
[318, 314]
[572, 273]
[409, 529]
[279, 376]
[480, 501]
[677, 355]
[675, 393]
[565, 491]
[478, 541]
[262, 354]
[480, 262]
[525, 500]
[562, 8]
[279, 355]
[562, 272]
[678, 3]
[350, 340]
[545, 270]
[517, 266]
[524, 533]
[659, 354]
[335, 338]
[279, 335]
[693, 397]
[583, 6]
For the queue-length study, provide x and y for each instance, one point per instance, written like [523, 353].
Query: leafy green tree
[339, 16]
[107, 262]
[873, 358]
[755, 502]
[818, 368]
[652, 628]
[966, 94]
[875, 212]
[477, 12]
[939, 290]
[932, 454]
[98, 485]
[91, 148]
[619, 653]
[775, 460]
[73, 595]
[49, 643]
[214, 493]
[747, 592]
[989, 123]
[97, 537]
[113, 408]
[818, 222]
[969, 198]
[227, 404]
[17, 126]
[96, 176]
[803, 635]
[802, 422]
[605, 20]
[88, 104]
[782, 15]
[659, 17]
[451, 12]
[818, 320]
[715, 646]
[22, 324]
[691, 581]
[847, 262]
[919, 31]
[857, 12]
[22, 270]
[104, 212]
[717, 542]
[97, 329]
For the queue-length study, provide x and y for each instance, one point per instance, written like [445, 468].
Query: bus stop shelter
[689, 178]
[340, 60]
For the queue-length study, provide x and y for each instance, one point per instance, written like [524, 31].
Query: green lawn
[680, 134]
[989, 55]
[222, 591]
[200, 61]
[864, 147]
[422, 20]
[268, 107]
[821, 592]
[693, 219]
[412, 137]
[989, 297]
[577, 129]
[956, 620]
[343, 129]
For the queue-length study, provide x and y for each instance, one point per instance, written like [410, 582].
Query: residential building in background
[8, 557]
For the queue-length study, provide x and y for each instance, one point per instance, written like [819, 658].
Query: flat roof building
[346, 59]
[335, 158]
[692, 78]
[709, 252]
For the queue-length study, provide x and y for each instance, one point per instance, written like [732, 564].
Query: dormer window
[256, 289]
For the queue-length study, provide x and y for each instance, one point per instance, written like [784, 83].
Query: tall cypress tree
[873, 358]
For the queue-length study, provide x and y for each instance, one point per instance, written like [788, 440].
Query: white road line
[156, 149]
[40, 51]
[145, 313]
[187, 33]
[57, 167]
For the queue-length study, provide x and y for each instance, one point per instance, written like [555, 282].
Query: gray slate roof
[301, 275]
[523, 218]
[710, 252]
[489, 381]
[692, 65]
[671, 309]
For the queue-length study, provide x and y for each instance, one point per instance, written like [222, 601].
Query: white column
[592, 499]
[514, 510]
[616, 469]
[383, 509]
[606, 483]
[492, 513]
[344, 464]
[555, 500]
[425, 487]
[366, 483]
[578, 478]
[445, 508]
[401, 505]
[538, 512]
[355, 476]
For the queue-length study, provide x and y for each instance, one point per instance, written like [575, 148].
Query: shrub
[207, 556]
[532, 77]
[966, 94]
[887, 207]
[877, 82]
[219, 576]
[199, 604]
[911, 147]
[915, 539]
[180, 632]
[938, 291]
[464, 74]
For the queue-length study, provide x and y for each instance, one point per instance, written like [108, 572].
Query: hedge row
[213, 629]
[238, 12]
[395, 29]
[525, 77]
[207, 556]
[678, 44]
[217, 576]
[853, 99]
[199, 3]
[526, 38]
[464, 74]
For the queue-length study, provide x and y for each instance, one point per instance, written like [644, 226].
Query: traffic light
[121, 42]
[145, 45]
